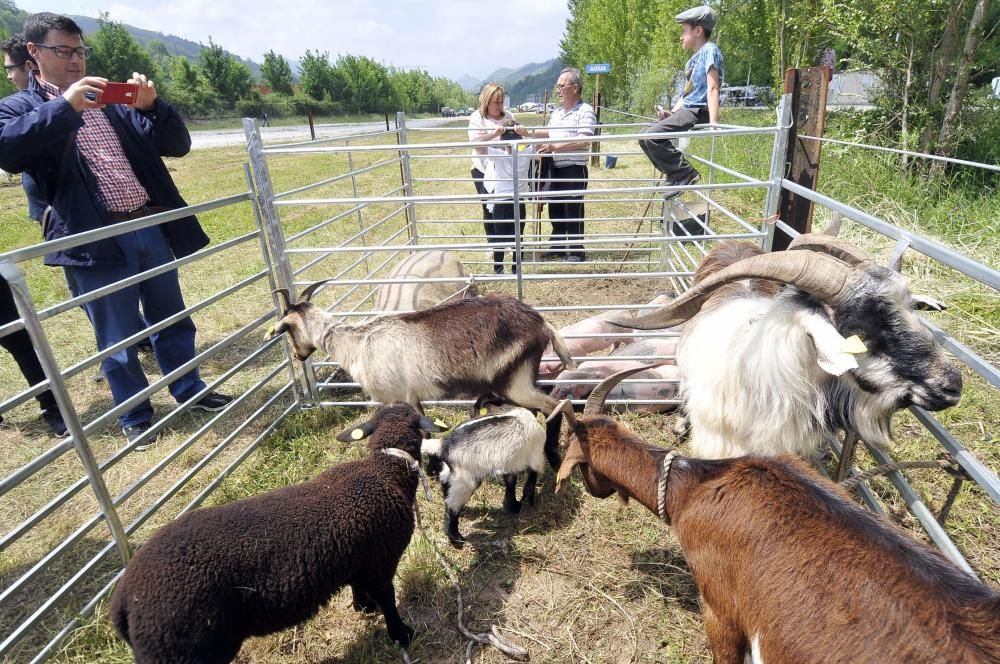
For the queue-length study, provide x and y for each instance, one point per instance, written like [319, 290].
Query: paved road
[215, 138]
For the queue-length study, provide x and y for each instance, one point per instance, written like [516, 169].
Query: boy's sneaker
[213, 402]
[133, 432]
[53, 418]
[691, 177]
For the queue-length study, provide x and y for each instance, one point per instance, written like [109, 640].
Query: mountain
[510, 77]
[175, 45]
[469, 83]
[532, 79]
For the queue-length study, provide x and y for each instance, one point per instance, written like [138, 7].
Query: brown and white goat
[839, 347]
[788, 568]
[465, 348]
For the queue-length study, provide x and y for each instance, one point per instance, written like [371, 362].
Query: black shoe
[691, 177]
[144, 345]
[135, 431]
[53, 418]
[213, 402]
[575, 258]
[498, 269]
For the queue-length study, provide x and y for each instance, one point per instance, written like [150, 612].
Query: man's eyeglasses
[564, 85]
[66, 52]
[10, 68]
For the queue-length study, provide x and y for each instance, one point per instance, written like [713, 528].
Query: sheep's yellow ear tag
[440, 423]
[270, 333]
[854, 345]
[483, 410]
[357, 434]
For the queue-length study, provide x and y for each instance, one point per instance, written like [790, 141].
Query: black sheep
[205, 582]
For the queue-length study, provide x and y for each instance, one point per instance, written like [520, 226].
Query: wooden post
[808, 88]
[595, 147]
[312, 129]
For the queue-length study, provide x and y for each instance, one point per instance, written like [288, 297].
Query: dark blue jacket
[39, 137]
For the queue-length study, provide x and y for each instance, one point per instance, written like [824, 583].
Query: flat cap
[703, 16]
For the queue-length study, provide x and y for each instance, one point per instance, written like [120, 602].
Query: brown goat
[787, 567]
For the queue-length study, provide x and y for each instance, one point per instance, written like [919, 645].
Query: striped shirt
[580, 121]
[117, 184]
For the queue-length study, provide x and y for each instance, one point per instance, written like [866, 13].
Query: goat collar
[661, 485]
[412, 463]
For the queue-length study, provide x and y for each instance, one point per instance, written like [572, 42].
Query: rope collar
[661, 487]
[412, 463]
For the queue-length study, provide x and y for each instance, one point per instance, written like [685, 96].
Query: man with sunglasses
[96, 166]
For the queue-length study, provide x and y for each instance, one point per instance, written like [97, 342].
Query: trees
[314, 74]
[116, 54]
[227, 76]
[276, 73]
[928, 54]
[366, 86]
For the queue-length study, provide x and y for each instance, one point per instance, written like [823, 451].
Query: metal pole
[272, 225]
[518, 267]
[411, 212]
[266, 254]
[777, 170]
[25, 305]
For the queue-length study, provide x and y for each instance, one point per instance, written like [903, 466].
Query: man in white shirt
[572, 118]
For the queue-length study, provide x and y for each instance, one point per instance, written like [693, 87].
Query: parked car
[745, 95]
[447, 112]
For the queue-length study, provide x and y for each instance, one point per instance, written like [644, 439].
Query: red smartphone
[119, 93]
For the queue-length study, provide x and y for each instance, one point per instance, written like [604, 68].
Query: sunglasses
[66, 52]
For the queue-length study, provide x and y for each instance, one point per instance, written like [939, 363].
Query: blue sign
[604, 68]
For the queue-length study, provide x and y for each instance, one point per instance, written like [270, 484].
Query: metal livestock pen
[354, 206]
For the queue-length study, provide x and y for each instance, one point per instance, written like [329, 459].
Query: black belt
[142, 211]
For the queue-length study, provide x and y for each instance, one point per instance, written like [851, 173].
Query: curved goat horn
[831, 246]
[286, 301]
[595, 402]
[821, 276]
[310, 290]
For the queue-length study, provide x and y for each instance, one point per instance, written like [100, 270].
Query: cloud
[446, 37]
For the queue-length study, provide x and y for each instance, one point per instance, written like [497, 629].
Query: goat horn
[595, 402]
[310, 290]
[831, 246]
[565, 408]
[819, 275]
[836, 220]
[282, 293]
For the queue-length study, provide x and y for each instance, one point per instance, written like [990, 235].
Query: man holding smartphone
[698, 104]
[97, 165]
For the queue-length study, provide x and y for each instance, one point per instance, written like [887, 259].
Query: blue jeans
[116, 316]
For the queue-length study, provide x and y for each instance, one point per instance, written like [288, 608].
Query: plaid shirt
[117, 184]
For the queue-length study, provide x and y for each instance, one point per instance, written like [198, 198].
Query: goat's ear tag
[440, 423]
[483, 410]
[357, 434]
[854, 345]
[270, 333]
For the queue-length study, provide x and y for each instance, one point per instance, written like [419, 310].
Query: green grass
[574, 579]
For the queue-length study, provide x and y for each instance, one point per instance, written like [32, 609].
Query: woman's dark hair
[38, 25]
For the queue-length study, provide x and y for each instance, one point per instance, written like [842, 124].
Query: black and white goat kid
[772, 370]
[504, 441]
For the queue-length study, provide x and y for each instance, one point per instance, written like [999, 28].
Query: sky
[446, 37]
